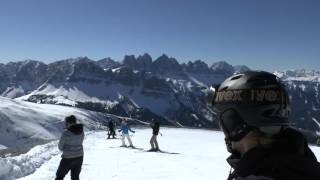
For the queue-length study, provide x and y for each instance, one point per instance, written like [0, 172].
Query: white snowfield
[25, 122]
[202, 155]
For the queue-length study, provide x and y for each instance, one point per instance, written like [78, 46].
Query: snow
[194, 80]
[19, 166]
[303, 87]
[64, 100]
[24, 122]
[116, 70]
[2, 147]
[13, 92]
[201, 152]
[299, 75]
[72, 93]
[107, 94]
[112, 92]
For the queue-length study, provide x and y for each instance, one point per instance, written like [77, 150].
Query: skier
[253, 114]
[155, 131]
[111, 130]
[125, 133]
[72, 150]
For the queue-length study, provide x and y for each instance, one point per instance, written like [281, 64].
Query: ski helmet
[250, 100]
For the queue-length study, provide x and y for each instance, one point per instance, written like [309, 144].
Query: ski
[128, 147]
[161, 151]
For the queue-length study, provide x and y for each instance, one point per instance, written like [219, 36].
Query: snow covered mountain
[299, 75]
[17, 78]
[144, 88]
[169, 95]
[24, 123]
[304, 89]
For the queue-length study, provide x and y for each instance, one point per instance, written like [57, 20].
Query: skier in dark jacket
[111, 130]
[253, 113]
[72, 150]
[155, 131]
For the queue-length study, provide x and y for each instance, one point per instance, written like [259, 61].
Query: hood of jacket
[76, 129]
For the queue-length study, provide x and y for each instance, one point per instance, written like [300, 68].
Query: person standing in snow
[125, 133]
[155, 131]
[111, 130]
[253, 112]
[72, 150]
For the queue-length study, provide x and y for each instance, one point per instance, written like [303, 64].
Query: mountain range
[145, 88]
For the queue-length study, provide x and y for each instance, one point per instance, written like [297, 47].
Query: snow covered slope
[24, 122]
[202, 155]
[200, 151]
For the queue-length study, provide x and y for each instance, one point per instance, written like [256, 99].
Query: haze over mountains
[146, 88]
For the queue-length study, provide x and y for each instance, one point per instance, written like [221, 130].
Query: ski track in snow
[202, 157]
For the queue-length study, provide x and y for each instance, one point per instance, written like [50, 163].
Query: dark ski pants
[154, 142]
[66, 165]
[111, 133]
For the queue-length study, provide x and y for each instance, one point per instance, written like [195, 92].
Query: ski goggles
[233, 125]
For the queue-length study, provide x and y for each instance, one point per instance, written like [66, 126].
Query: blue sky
[262, 34]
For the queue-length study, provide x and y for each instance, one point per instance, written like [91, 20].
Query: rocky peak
[86, 67]
[28, 70]
[164, 64]
[141, 63]
[222, 67]
[108, 63]
[144, 62]
[197, 66]
[74, 68]
[129, 61]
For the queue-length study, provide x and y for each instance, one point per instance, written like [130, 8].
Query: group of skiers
[253, 109]
[125, 128]
[71, 144]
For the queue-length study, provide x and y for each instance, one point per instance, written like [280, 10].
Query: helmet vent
[236, 77]
[224, 88]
